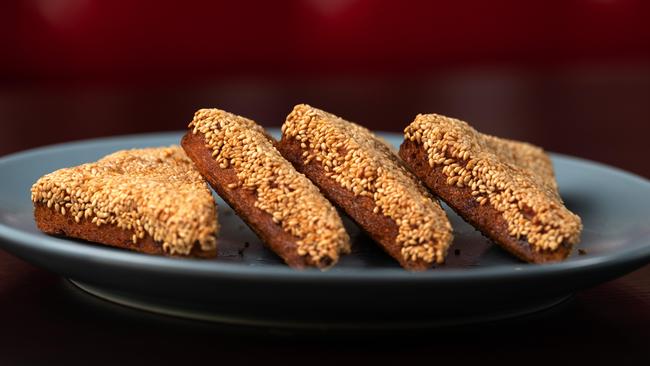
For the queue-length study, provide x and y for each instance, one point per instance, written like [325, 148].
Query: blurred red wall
[163, 41]
[572, 76]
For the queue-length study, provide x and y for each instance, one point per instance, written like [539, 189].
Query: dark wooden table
[599, 114]
[47, 321]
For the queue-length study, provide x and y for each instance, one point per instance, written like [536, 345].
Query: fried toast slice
[282, 206]
[504, 188]
[149, 200]
[360, 173]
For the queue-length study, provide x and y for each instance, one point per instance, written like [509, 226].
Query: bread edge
[243, 201]
[52, 222]
[484, 218]
[380, 228]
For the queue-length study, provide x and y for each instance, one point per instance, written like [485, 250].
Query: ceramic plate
[248, 284]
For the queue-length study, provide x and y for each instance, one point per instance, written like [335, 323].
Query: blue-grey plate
[248, 284]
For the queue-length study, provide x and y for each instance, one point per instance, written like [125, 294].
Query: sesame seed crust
[291, 200]
[153, 192]
[514, 178]
[365, 165]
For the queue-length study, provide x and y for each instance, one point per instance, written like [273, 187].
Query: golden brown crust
[243, 202]
[380, 228]
[506, 188]
[153, 192]
[52, 222]
[311, 227]
[293, 201]
[362, 175]
[485, 218]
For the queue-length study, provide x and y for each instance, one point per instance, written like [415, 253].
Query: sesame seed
[154, 191]
[291, 199]
[515, 178]
[366, 165]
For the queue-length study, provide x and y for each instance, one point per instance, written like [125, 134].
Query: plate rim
[203, 268]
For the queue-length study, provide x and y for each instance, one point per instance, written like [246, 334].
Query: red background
[572, 76]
